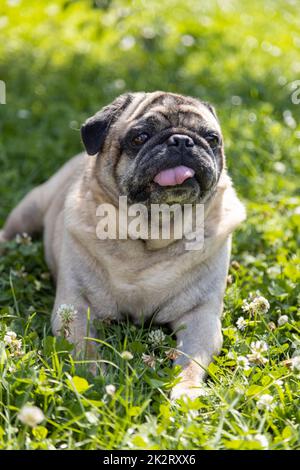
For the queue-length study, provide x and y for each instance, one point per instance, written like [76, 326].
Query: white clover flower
[187, 40]
[245, 306]
[243, 362]
[257, 305]
[258, 348]
[127, 42]
[14, 344]
[9, 337]
[91, 417]
[282, 320]
[192, 415]
[172, 354]
[261, 304]
[241, 323]
[110, 389]
[279, 382]
[17, 345]
[31, 415]
[262, 440]
[271, 326]
[23, 239]
[295, 363]
[119, 84]
[149, 360]
[297, 212]
[239, 389]
[266, 402]
[126, 355]
[156, 337]
[231, 355]
[279, 167]
[67, 314]
[296, 345]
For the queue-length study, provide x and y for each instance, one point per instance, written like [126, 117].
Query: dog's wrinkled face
[157, 147]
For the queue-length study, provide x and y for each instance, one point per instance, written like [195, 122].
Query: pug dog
[153, 148]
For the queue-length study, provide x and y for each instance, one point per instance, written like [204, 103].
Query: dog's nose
[181, 141]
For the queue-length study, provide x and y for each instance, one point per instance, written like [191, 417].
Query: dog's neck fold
[223, 212]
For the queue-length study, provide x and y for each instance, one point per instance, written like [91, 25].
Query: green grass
[61, 62]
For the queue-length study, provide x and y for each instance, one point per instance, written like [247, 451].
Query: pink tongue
[173, 176]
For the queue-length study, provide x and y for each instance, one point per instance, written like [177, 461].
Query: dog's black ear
[95, 129]
[211, 108]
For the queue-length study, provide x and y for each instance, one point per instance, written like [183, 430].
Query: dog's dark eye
[140, 139]
[212, 139]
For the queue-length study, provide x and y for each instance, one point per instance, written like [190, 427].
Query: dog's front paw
[2, 237]
[187, 389]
